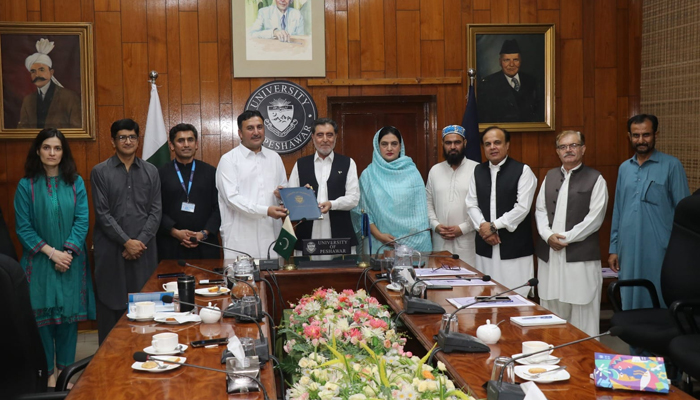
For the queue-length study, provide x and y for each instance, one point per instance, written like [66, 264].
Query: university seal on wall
[289, 112]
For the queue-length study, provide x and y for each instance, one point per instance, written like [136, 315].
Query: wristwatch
[204, 234]
[493, 228]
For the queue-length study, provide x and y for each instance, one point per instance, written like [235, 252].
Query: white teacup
[165, 342]
[533, 346]
[145, 309]
[170, 287]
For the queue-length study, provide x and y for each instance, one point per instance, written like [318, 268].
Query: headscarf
[393, 195]
[43, 48]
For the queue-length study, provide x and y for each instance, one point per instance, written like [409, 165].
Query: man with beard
[649, 186]
[446, 190]
[333, 177]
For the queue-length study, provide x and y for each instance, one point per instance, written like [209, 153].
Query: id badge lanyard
[179, 175]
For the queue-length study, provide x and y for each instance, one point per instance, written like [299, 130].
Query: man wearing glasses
[126, 197]
[568, 250]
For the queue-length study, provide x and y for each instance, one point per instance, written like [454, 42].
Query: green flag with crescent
[284, 246]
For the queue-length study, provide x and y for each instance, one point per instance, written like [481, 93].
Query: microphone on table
[269, 264]
[452, 256]
[374, 262]
[256, 271]
[261, 348]
[461, 342]
[494, 389]
[417, 305]
[140, 356]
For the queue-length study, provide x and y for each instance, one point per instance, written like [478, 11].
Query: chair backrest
[680, 273]
[23, 354]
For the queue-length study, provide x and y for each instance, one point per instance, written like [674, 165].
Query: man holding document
[334, 179]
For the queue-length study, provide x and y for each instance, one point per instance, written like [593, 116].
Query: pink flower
[409, 354]
[312, 331]
[378, 323]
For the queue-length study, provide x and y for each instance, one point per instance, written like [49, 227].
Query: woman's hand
[384, 237]
[63, 260]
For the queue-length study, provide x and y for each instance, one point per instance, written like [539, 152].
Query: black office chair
[26, 372]
[653, 328]
[684, 350]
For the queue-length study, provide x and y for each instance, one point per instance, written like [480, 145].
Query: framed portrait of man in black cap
[514, 75]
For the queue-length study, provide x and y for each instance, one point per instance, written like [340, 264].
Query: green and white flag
[155, 140]
[286, 240]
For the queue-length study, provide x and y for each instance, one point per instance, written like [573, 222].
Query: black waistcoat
[42, 106]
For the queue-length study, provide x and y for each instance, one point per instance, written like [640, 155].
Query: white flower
[313, 386]
[422, 386]
[326, 394]
[432, 385]
[358, 396]
[305, 380]
[331, 386]
[449, 385]
[441, 366]
[304, 362]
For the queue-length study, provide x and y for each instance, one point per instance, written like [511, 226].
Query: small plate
[561, 375]
[134, 318]
[550, 360]
[206, 292]
[394, 287]
[180, 348]
[163, 319]
[139, 365]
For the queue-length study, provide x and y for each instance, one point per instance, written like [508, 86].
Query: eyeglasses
[572, 146]
[447, 267]
[123, 138]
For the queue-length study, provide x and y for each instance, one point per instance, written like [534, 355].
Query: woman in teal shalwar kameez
[51, 215]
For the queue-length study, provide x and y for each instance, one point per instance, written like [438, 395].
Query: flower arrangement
[341, 347]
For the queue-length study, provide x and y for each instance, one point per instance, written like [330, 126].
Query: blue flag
[470, 123]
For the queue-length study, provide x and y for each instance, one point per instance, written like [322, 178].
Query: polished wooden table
[109, 375]
[473, 370]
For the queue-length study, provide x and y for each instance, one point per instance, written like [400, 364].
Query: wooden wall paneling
[516, 146]
[209, 148]
[157, 36]
[77, 148]
[106, 115]
[482, 16]
[240, 90]
[191, 114]
[467, 12]
[548, 4]
[226, 128]
[624, 149]
[206, 11]
[87, 11]
[548, 157]
[454, 51]
[188, 5]
[499, 11]
[431, 20]
[531, 148]
[107, 5]
[208, 57]
[225, 50]
[372, 35]
[589, 130]
[3, 165]
[552, 17]
[622, 62]
[571, 58]
[136, 88]
[134, 17]
[16, 153]
[172, 16]
[634, 71]
[432, 54]
[31, 5]
[514, 11]
[481, 4]
[108, 59]
[189, 57]
[605, 33]
[408, 5]
[34, 16]
[528, 11]
[163, 86]
[373, 90]
[390, 39]
[408, 55]
[341, 48]
[454, 103]
[354, 65]
[588, 22]
[606, 114]
[353, 19]
[68, 11]
[331, 58]
[341, 5]
[571, 25]
[48, 11]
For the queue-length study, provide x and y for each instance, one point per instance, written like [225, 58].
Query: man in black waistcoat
[569, 211]
[334, 179]
[498, 202]
[510, 95]
[190, 201]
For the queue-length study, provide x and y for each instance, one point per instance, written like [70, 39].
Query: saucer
[180, 348]
[169, 367]
[561, 375]
[550, 360]
[394, 287]
[206, 292]
[133, 317]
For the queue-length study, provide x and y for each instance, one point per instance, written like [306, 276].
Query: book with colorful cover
[617, 371]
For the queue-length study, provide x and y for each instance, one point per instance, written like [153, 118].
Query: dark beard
[453, 159]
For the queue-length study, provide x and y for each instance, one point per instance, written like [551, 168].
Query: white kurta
[322, 170]
[515, 272]
[446, 190]
[577, 283]
[246, 182]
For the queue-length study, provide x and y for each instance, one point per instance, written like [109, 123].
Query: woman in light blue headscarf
[392, 193]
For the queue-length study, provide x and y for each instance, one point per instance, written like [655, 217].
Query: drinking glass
[249, 306]
[503, 370]
[453, 323]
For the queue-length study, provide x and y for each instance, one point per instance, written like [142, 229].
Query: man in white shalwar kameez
[446, 190]
[246, 178]
[498, 202]
[568, 250]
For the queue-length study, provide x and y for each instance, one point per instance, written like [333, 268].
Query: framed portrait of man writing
[47, 79]
[515, 67]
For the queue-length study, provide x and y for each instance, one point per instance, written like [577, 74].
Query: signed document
[301, 203]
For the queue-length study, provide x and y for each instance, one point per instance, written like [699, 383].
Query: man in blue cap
[446, 190]
[510, 95]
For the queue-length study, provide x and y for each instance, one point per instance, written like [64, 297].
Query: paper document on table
[500, 301]
[434, 273]
[458, 282]
[537, 320]
[609, 273]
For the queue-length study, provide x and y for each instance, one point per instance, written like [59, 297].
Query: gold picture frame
[69, 49]
[527, 103]
[258, 53]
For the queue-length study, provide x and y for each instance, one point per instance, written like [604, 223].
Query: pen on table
[538, 317]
